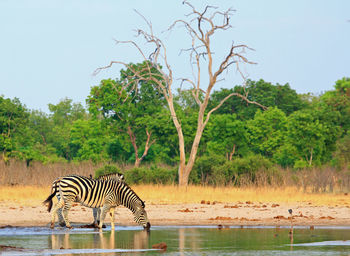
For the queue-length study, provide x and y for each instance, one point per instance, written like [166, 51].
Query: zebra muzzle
[148, 226]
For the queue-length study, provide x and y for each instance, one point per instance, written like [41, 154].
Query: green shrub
[203, 168]
[242, 170]
[300, 164]
[107, 169]
[152, 175]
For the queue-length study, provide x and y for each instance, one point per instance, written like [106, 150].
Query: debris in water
[162, 246]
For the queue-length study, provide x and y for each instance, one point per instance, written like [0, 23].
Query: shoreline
[218, 214]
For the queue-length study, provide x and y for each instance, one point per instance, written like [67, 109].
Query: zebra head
[140, 216]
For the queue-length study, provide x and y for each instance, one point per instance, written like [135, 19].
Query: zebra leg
[67, 205]
[54, 210]
[96, 213]
[111, 213]
[98, 216]
[59, 214]
[61, 221]
[105, 209]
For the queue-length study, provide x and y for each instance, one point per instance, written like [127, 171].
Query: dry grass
[195, 194]
[172, 194]
[23, 195]
[31, 185]
[37, 174]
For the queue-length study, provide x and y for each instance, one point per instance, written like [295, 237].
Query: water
[180, 241]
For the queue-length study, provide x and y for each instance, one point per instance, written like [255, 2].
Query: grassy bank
[172, 194]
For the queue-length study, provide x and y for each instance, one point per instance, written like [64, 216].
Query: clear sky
[50, 48]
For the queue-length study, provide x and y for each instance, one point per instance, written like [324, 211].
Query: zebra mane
[142, 202]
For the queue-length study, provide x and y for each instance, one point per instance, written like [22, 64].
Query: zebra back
[93, 192]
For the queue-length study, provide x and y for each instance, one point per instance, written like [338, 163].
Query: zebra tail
[49, 199]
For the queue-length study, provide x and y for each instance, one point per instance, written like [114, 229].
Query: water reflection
[182, 240]
[59, 241]
[103, 240]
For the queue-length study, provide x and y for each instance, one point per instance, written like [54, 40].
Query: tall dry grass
[173, 194]
[38, 174]
[318, 186]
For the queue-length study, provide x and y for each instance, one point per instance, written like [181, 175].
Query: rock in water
[161, 246]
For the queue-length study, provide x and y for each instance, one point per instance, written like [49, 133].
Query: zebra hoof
[52, 226]
[62, 224]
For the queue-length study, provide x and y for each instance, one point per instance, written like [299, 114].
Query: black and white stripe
[107, 194]
[95, 211]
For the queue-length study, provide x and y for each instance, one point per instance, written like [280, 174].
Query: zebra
[107, 194]
[95, 211]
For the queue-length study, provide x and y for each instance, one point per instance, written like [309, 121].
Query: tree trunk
[183, 178]
[186, 169]
[232, 152]
[137, 162]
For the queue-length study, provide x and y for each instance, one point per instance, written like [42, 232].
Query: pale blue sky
[49, 49]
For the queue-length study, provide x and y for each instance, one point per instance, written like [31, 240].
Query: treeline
[124, 126]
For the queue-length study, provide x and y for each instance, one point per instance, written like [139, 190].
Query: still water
[194, 240]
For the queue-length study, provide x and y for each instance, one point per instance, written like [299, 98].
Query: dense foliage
[296, 131]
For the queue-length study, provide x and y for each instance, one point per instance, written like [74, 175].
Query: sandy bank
[240, 213]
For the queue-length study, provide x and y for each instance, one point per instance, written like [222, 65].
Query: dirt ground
[204, 213]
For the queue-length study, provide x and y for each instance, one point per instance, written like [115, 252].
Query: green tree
[267, 94]
[88, 140]
[267, 131]
[32, 142]
[13, 119]
[63, 115]
[226, 136]
[342, 152]
[339, 100]
[130, 104]
[306, 134]
[66, 112]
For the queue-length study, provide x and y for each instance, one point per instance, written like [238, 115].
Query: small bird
[290, 211]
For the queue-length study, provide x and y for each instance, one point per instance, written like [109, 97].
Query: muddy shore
[205, 213]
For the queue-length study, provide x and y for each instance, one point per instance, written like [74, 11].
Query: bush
[153, 175]
[242, 171]
[300, 164]
[204, 168]
[107, 169]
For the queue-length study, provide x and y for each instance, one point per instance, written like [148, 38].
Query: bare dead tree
[200, 26]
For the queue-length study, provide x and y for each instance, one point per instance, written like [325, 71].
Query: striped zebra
[107, 194]
[95, 211]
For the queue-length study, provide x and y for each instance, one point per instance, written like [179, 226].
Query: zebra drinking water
[96, 212]
[94, 194]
